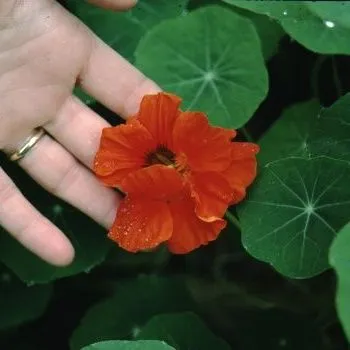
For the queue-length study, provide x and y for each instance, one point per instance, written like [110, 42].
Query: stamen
[161, 155]
[163, 159]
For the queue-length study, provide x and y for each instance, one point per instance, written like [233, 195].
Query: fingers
[114, 4]
[51, 165]
[78, 129]
[114, 81]
[31, 228]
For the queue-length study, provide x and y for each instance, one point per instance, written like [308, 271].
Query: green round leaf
[339, 258]
[290, 132]
[332, 11]
[212, 58]
[306, 25]
[133, 304]
[129, 345]
[329, 135]
[184, 331]
[89, 240]
[20, 303]
[293, 213]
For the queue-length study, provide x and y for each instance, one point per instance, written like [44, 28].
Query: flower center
[162, 155]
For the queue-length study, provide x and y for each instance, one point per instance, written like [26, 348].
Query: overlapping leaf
[129, 345]
[212, 58]
[123, 30]
[184, 331]
[330, 134]
[270, 32]
[133, 304]
[20, 303]
[332, 11]
[308, 23]
[294, 211]
[289, 135]
[339, 258]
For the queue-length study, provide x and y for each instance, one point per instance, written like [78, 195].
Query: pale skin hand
[44, 50]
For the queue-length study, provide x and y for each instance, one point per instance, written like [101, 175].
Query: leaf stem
[247, 135]
[232, 219]
[314, 75]
[337, 82]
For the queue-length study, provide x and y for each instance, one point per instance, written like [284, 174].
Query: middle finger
[51, 165]
[78, 129]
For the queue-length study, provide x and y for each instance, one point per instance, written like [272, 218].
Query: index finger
[113, 81]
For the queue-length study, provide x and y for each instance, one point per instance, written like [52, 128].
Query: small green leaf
[184, 331]
[212, 58]
[133, 304]
[307, 25]
[20, 303]
[339, 258]
[129, 345]
[123, 30]
[88, 238]
[288, 136]
[329, 135]
[293, 212]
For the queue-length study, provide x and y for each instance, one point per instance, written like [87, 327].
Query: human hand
[44, 51]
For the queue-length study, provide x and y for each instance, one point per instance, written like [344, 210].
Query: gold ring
[30, 142]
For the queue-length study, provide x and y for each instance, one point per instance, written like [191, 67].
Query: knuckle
[133, 98]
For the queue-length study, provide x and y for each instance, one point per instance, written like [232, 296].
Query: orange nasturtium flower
[179, 175]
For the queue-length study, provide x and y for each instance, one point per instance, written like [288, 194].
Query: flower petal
[157, 182]
[122, 150]
[141, 224]
[189, 231]
[242, 170]
[206, 147]
[213, 194]
[243, 150]
[158, 114]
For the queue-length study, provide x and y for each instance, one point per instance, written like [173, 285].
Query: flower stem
[232, 219]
